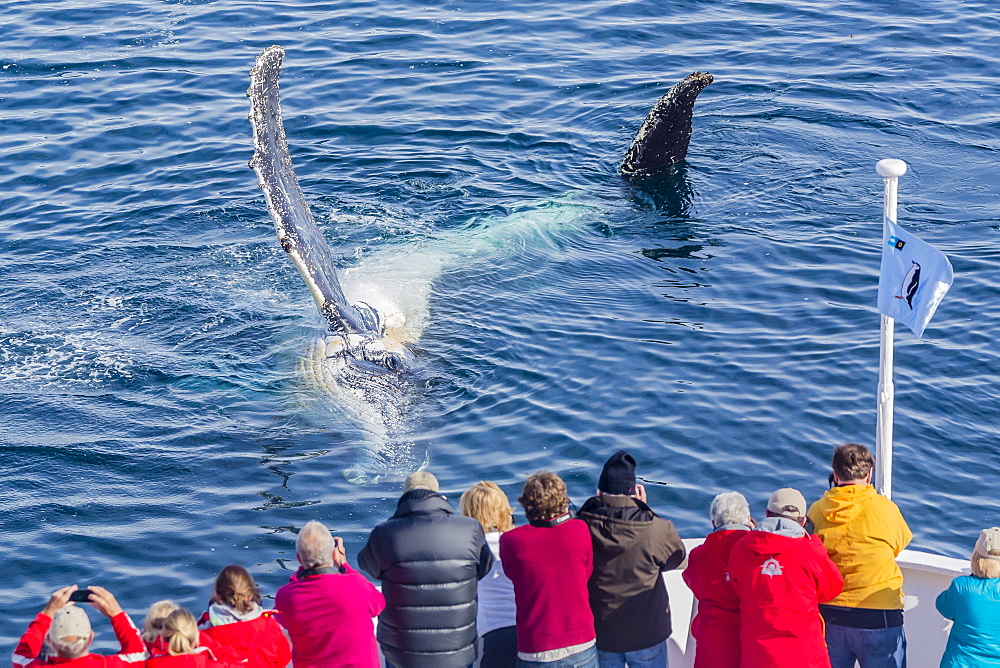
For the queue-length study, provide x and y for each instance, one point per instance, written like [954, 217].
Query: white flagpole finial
[890, 168]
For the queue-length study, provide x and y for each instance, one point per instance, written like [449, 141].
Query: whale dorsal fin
[662, 139]
[293, 221]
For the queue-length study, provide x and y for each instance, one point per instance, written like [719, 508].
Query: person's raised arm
[673, 551]
[30, 645]
[58, 600]
[133, 650]
[339, 553]
[640, 492]
[104, 602]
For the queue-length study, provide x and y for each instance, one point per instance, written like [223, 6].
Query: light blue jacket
[974, 605]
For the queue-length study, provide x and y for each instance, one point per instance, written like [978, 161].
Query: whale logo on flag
[913, 280]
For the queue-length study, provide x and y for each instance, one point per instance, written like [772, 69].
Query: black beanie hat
[618, 476]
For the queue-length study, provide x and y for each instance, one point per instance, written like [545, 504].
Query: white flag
[914, 278]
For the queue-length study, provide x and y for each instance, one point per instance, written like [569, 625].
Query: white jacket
[496, 594]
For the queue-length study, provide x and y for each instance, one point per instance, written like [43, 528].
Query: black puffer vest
[429, 561]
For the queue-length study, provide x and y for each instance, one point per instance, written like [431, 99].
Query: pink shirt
[329, 618]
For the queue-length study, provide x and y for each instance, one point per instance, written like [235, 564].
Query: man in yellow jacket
[863, 533]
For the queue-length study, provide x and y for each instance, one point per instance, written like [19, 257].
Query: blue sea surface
[719, 323]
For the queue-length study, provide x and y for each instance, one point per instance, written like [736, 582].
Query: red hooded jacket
[259, 642]
[782, 578]
[716, 628]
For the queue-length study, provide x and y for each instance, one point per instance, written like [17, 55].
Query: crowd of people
[813, 586]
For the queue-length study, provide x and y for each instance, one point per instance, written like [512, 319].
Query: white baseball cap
[989, 542]
[68, 621]
[787, 502]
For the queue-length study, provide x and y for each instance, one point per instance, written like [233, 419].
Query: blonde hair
[155, 616]
[180, 631]
[486, 503]
[235, 587]
[984, 567]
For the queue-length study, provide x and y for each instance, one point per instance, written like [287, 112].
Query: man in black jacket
[632, 547]
[429, 560]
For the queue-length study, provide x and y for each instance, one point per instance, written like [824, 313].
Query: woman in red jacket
[180, 640]
[241, 629]
[152, 627]
[716, 628]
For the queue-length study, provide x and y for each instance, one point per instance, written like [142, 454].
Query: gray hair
[314, 545]
[68, 650]
[729, 508]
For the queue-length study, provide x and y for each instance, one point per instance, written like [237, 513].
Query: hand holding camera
[339, 553]
[640, 492]
[59, 599]
[104, 602]
[80, 596]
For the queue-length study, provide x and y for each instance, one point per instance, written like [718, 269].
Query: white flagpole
[890, 170]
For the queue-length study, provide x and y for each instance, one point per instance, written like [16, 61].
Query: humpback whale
[356, 332]
[362, 360]
[362, 357]
[662, 139]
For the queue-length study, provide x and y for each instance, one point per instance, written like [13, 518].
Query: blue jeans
[872, 648]
[585, 659]
[651, 657]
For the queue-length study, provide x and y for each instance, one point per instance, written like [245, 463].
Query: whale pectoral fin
[662, 139]
[293, 221]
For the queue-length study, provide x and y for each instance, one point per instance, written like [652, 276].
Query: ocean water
[719, 322]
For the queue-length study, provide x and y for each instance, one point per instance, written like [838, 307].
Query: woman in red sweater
[549, 560]
[179, 633]
[241, 629]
